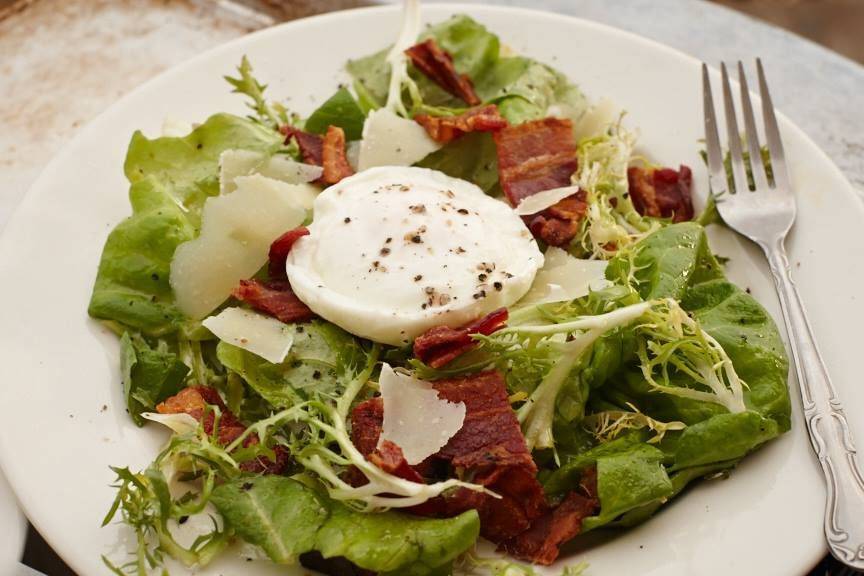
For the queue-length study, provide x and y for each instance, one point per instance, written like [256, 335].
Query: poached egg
[394, 251]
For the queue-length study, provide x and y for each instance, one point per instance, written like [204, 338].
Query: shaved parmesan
[236, 233]
[179, 423]
[542, 200]
[237, 163]
[415, 418]
[261, 335]
[564, 277]
[596, 120]
[352, 154]
[303, 194]
[390, 140]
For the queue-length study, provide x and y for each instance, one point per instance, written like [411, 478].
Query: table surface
[73, 58]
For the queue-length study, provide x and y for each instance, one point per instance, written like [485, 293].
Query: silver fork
[765, 215]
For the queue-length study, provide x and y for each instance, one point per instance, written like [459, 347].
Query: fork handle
[826, 422]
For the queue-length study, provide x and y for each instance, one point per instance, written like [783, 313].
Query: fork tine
[772, 132]
[716, 173]
[739, 174]
[760, 178]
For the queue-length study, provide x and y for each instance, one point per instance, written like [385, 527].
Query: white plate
[62, 420]
[13, 527]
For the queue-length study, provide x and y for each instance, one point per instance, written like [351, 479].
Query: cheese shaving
[415, 418]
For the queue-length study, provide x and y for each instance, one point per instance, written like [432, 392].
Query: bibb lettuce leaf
[286, 518]
[171, 178]
[150, 374]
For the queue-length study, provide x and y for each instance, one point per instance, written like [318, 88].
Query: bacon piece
[489, 449]
[274, 298]
[447, 128]
[194, 401]
[311, 145]
[662, 192]
[559, 224]
[535, 156]
[389, 457]
[279, 250]
[333, 158]
[541, 542]
[441, 345]
[437, 64]
[367, 422]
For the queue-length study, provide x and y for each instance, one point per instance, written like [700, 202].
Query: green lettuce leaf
[722, 438]
[132, 282]
[472, 157]
[339, 110]
[150, 375]
[286, 518]
[523, 88]
[188, 166]
[628, 480]
[567, 475]
[680, 480]
[320, 358]
[634, 478]
[371, 75]
[397, 543]
[677, 262]
[171, 178]
[280, 515]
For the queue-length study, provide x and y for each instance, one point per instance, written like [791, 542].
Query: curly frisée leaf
[670, 338]
[265, 112]
[327, 450]
[537, 413]
[398, 61]
[612, 222]
[609, 424]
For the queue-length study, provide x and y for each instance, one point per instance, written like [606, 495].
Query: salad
[453, 303]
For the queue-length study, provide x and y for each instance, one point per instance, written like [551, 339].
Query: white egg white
[394, 251]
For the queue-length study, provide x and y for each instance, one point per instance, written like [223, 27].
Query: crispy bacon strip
[311, 145]
[662, 192]
[279, 250]
[441, 345]
[437, 64]
[389, 457]
[535, 156]
[447, 128]
[333, 158]
[559, 224]
[541, 542]
[489, 448]
[194, 401]
[275, 298]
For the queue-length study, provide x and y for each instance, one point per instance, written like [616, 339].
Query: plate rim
[16, 220]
